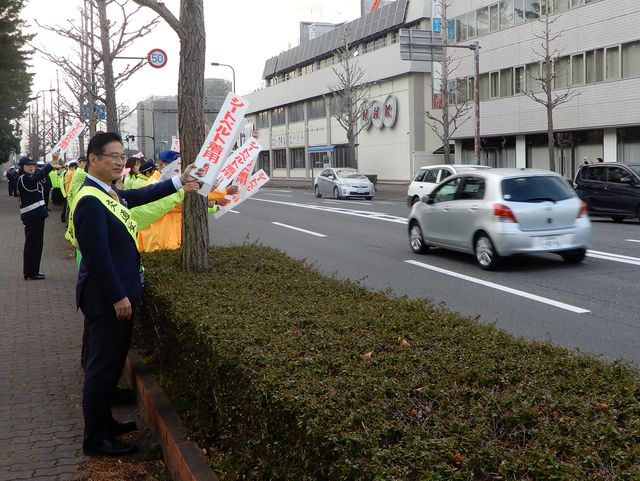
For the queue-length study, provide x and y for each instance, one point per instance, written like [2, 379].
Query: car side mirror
[428, 199]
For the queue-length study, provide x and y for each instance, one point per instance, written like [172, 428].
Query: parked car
[429, 176]
[610, 189]
[343, 183]
[496, 213]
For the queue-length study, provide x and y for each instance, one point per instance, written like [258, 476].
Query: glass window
[317, 108]
[560, 6]
[262, 120]
[471, 82]
[561, 73]
[277, 116]
[420, 175]
[518, 8]
[595, 173]
[280, 159]
[577, 69]
[506, 13]
[506, 82]
[495, 84]
[444, 173]
[431, 176]
[613, 63]
[471, 24]
[296, 112]
[494, 18]
[472, 189]
[461, 91]
[297, 158]
[485, 90]
[631, 60]
[520, 85]
[446, 191]
[616, 174]
[536, 189]
[533, 78]
[461, 28]
[482, 21]
[531, 9]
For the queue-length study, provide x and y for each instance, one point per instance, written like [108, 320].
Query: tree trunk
[191, 126]
[107, 62]
[550, 140]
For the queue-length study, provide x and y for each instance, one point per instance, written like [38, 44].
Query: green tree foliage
[15, 81]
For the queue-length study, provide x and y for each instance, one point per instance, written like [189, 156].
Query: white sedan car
[497, 213]
[343, 183]
[429, 176]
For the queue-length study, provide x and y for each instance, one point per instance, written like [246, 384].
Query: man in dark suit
[110, 282]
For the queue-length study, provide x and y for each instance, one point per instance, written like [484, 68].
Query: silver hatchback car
[501, 212]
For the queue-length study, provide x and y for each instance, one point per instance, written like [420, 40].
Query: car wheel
[316, 189]
[416, 241]
[617, 218]
[486, 254]
[336, 193]
[575, 256]
[415, 200]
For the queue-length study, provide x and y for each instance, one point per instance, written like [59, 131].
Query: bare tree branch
[165, 14]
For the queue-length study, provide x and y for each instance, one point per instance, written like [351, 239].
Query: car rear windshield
[536, 189]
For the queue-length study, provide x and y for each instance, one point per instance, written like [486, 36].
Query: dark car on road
[610, 189]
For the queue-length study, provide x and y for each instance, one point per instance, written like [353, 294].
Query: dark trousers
[107, 343]
[13, 189]
[33, 242]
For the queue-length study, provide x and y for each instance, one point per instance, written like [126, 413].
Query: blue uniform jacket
[30, 188]
[110, 267]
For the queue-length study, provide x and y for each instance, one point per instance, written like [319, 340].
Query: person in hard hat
[33, 212]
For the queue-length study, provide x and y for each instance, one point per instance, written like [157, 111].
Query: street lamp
[233, 84]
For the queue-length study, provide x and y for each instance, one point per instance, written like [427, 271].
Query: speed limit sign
[157, 58]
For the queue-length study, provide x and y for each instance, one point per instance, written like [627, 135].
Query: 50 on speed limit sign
[157, 58]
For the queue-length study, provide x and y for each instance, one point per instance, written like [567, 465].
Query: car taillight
[503, 213]
[583, 209]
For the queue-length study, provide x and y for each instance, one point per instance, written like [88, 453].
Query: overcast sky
[243, 33]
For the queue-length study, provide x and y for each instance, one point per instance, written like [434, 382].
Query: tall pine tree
[15, 81]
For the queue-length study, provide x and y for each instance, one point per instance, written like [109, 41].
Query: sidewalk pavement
[40, 339]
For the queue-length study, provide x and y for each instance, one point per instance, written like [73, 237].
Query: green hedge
[266, 360]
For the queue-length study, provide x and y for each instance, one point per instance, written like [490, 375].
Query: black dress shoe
[123, 428]
[122, 396]
[108, 447]
[36, 277]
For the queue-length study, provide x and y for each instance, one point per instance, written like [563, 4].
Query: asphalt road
[592, 306]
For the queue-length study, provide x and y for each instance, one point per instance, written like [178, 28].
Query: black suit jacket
[110, 266]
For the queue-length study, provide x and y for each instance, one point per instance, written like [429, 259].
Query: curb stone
[182, 457]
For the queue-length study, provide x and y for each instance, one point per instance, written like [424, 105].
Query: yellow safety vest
[117, 209]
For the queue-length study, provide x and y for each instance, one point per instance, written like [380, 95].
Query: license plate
[552, 241]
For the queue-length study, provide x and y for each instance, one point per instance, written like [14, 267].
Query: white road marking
[359, 203]
[300, 230]
[277, 195]
[634, 261]
[331, 202]
[493, 285]
[282, 190]
[338, 210]
[632, 240]
[235, 211]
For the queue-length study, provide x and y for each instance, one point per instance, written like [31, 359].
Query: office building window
[297, 158]
[518, 8]
[531, 9]
[520, 85]
[495, 84]
[485, 87]
[262, 120]
[560, 6]
[482, 21]
[612, 55]
[461, 28]
[494, 18]
[506, 13]
[631, 60]
[562, 73]
[471, 24]
[296, 112]
[277, 116]
[317, 108]
[533, 78]
[461, 91]
[577, 69]
[506, 82]
[280, 159]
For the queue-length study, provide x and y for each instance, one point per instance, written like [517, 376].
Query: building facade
[291, 116]
[157, 117]
[597, 60]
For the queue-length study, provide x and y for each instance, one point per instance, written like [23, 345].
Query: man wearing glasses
[110, 282]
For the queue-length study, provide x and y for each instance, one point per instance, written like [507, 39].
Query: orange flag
[375, 6]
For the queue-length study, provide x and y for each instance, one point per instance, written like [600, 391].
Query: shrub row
[282, 373]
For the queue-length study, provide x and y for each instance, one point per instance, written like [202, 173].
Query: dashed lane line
[299, 229]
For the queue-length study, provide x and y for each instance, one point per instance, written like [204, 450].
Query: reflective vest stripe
[31, 207]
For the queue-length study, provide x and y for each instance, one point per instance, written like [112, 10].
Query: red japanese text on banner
[69, 136]
[237, 161]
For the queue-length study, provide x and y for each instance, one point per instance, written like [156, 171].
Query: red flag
[375, 6]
